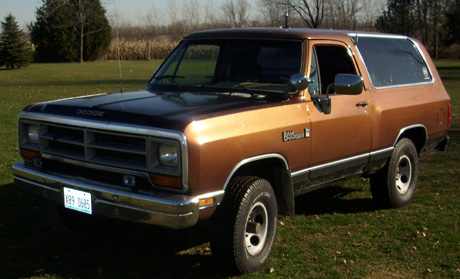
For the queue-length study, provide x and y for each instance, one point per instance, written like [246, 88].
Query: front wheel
[246, 225]
[394, 186]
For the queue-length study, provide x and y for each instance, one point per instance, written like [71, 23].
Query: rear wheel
[246, 225]
[394, 186]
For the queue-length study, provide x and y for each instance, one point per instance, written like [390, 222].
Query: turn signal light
[166, 181]
[29, 155]
[205, 202]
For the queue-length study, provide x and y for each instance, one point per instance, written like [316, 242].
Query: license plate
[77, 200]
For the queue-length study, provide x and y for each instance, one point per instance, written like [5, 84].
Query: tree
[343, 13]
[14, 51]
[273, 11]
[91, 23]
[399, 18]
[52, 33]
[70, 30]
[452, 24]
[237, 15]
[423, 19]
[311, 11]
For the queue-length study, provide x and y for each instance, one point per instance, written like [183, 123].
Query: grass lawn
[336, 233]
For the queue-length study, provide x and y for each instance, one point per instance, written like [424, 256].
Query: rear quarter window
[393, 61]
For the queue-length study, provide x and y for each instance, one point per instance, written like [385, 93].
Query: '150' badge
[290, 135]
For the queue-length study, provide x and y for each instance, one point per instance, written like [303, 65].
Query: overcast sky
[24, 10]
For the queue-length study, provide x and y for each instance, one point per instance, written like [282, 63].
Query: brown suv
[235, 124]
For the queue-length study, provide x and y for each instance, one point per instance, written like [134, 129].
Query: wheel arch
[275, 169]
[418, 134]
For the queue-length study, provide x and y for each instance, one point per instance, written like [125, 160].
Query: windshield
[263, 65]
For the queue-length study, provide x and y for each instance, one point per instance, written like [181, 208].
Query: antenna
[286, 16]
[115, 14]
[119, 61]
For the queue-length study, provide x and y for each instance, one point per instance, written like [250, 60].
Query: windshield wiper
[172, 77]
[173, 81]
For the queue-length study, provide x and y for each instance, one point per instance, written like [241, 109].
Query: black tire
[246, 225]
[394, 186]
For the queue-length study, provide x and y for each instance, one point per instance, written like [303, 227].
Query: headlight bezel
[29, 135]
[158, 161]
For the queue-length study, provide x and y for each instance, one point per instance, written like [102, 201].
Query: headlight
[168, 154]
[32, 134]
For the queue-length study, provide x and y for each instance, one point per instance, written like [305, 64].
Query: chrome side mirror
[348, 84]
[299, 82]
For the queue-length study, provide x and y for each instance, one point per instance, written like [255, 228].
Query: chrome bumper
[167, 210]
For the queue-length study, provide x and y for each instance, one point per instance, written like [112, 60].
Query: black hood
[168, 110]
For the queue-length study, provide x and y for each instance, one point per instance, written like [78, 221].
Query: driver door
[341, 140]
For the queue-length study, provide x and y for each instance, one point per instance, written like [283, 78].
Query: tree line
[82, 30]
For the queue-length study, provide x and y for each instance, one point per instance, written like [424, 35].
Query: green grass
[336, 233]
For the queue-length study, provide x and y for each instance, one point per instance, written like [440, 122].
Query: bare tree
[311, 11]
[236, 14]
[210, 18]
[175, 28]
[153, 18]
[190, 15]
[369, 12]
[273, 12]
[343, 14]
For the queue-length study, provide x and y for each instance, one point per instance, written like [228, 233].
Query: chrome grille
[95, 146]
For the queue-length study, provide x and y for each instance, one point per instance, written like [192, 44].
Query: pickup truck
[232, 126]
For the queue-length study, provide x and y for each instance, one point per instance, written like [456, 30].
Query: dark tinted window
[232, 63]
[393, 61]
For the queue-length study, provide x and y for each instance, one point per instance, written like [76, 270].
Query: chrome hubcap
[403, 174]
[256, 229]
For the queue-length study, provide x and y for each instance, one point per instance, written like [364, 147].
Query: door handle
[362, 104]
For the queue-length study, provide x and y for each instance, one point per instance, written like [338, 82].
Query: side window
[330, 61]
[393, 61]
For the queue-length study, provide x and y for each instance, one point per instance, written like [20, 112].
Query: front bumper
[167, 210]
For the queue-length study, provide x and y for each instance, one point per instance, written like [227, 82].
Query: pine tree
[14, 51]
[52, 34]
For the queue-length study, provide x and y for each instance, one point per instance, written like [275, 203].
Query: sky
[24, 10]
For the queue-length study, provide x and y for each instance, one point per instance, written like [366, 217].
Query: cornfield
[140, 49]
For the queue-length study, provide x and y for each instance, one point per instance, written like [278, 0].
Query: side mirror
[325, 104]
[298, 82]
[348, 84]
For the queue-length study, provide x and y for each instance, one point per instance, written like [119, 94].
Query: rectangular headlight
[32, 133]
[168, 154]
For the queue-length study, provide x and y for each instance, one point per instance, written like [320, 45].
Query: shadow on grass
[449, 73]
[35, 243]
[331, 200]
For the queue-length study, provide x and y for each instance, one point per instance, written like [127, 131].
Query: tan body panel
[217, 145]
